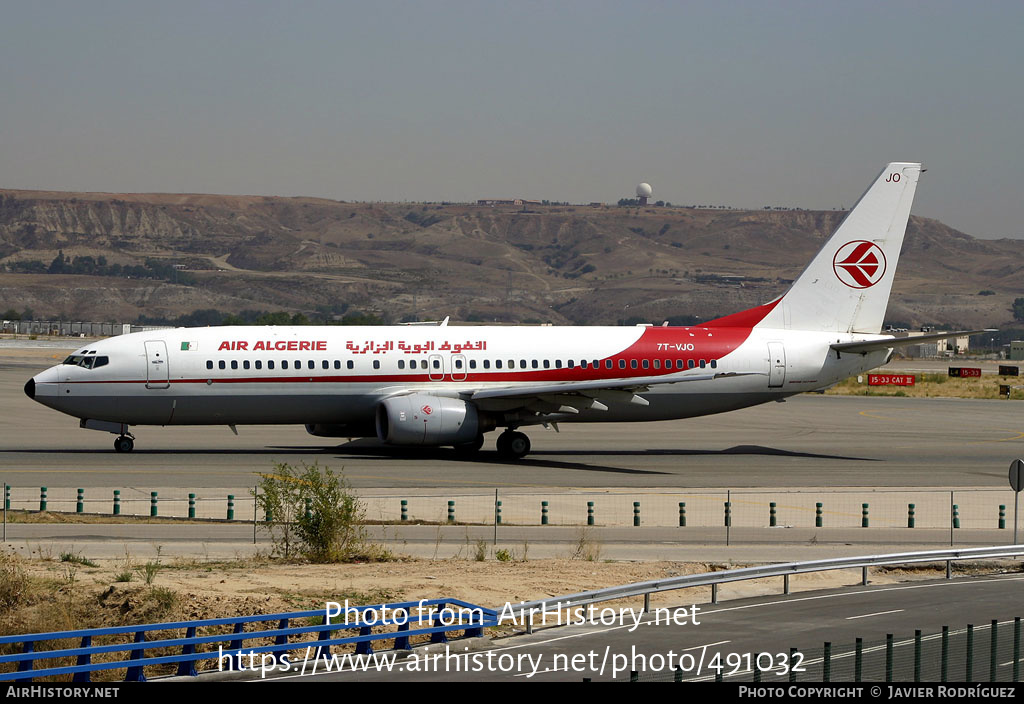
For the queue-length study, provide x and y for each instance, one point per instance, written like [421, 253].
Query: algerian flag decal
[189, 346]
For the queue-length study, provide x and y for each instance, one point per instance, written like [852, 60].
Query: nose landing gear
[513, 444]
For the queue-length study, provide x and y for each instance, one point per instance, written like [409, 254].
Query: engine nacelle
[424, 419]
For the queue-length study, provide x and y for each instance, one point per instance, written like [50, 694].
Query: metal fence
[180, 646]
[963, 516]
[969, 653]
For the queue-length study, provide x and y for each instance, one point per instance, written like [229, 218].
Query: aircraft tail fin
[846, 286]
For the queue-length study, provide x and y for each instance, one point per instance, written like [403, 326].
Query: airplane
[444, 385]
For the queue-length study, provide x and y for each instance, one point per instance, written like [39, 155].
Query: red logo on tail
[859, 264]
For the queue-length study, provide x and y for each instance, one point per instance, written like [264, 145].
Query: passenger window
[522, 364]
[349, 364]
[311, 364]
[534, 365]
[326, 364]
[487, 364]
[376, 364]
[337, 364]
[437, 364]
[583, 364]
[679, 364]
[220, 364]
[657, 364]
[298, 364]
[209, 364]
[691, 364]
[472, 364]
[458, 364]
[558, 364]
[497, 364]
[412, 364]
[401, 364]
[570, 364]
[284, 364]
[632, 364]
[645, 364]
[234, 364]
[270, 364]
[259, 364]
[607, 364]
[245, 364]
[547, 364]
[702, 364]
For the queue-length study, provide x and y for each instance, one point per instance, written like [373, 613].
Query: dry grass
[928, 386]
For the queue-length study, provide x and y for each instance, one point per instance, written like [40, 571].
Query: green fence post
[1016, 648]
[42, 498]
[826, 663]
[590, 513]
[910, 515]
[191, 505]
[858, 659]
[1002, 516]
[152, 503]
[888, 657]
[772, 520]
[636, 513]
[451, 512]
[992, 651]
[80, 503]
[969, 674]
[405, 510]
[863, 515]
[956, 515]
[543, 513]
[682, 514]
[917, 655]
[944, 672]
[817, 515]
[7, 497]
[117, 502]
[231, 507]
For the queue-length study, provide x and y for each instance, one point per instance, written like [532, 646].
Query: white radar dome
[644, 190]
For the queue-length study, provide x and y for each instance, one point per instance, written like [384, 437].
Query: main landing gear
[124, 443]
[512, 444]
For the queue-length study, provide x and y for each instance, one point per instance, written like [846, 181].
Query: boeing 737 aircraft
[441, 385]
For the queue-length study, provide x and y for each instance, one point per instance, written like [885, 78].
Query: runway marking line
[877, 613]
[868, 414]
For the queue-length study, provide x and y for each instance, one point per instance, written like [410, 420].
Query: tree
[1018, 309]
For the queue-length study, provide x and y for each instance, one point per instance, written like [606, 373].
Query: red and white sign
[891, 379]
[859, 264]
[427, 410]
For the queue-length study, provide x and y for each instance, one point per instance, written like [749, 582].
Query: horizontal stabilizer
[866, 346]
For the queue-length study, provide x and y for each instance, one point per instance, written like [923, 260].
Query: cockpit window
[80, 360]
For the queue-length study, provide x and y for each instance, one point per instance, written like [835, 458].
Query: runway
[810, 440]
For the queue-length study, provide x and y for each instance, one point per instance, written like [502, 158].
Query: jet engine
[424, 419]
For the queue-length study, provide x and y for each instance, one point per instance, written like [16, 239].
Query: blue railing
[404, 621]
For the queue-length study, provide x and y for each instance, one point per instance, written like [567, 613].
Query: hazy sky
[737, 103]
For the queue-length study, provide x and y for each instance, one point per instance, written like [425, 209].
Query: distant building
[1017, 350]
[508, 201]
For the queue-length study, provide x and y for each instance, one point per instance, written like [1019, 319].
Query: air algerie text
[240, 345]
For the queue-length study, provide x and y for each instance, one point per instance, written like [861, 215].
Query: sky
[746, 104]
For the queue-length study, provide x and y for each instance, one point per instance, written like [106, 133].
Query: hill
[162, 255]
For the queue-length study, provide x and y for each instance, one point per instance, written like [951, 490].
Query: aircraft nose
[30, 388]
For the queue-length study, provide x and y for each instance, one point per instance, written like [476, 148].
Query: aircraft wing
[573, 396]
[866, 346]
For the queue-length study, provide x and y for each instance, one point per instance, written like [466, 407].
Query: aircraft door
[157, 372]
[435, 367]
[776, 364]
[458, 367]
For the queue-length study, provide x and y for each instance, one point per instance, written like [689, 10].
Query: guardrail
[433, 618]
[524, 611]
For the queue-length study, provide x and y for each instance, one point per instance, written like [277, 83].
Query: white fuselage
[338, 375]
